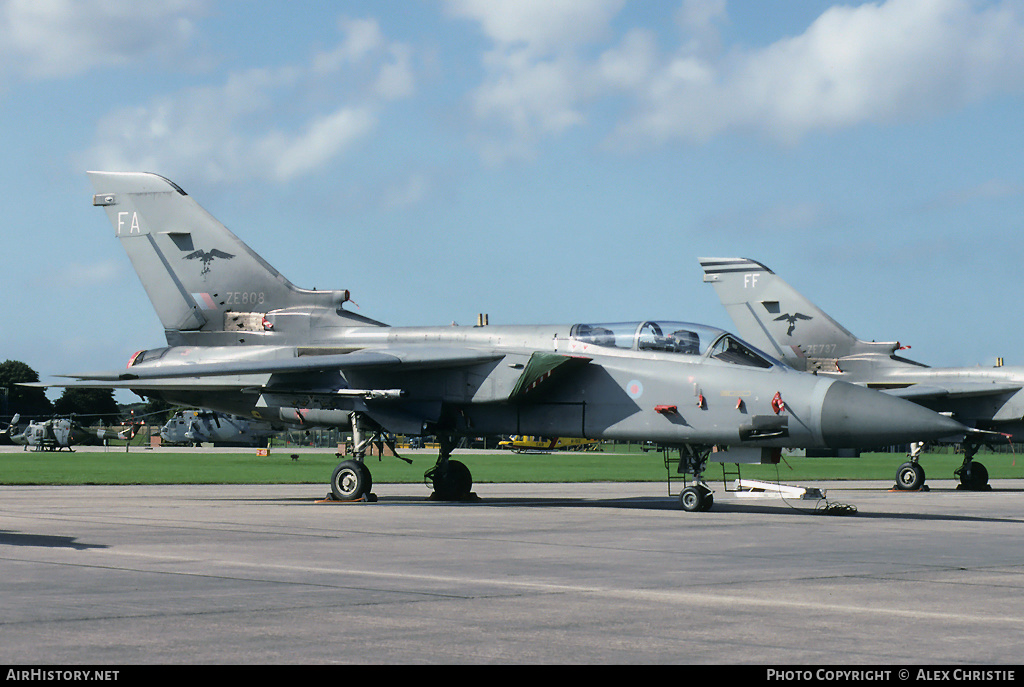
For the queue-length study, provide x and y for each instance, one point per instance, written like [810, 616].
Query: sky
[541, 162]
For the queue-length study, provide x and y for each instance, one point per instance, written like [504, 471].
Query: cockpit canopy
[673, 337]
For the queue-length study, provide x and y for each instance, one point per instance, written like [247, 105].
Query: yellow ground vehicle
[536, 444]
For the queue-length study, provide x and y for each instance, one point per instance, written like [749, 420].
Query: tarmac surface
[529, 573]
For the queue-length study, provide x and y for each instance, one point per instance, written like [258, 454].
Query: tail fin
[205, 284]
[772, 315]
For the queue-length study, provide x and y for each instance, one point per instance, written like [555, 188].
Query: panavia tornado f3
[772, 314]
[244, 340]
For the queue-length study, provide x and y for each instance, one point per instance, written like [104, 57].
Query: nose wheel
[696, 498]
[351, 481]
[910, 477]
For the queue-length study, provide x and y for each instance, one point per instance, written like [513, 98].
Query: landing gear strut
[450, 479]
[352, 480]
[698, 496]
[973, 475]
[910, 475]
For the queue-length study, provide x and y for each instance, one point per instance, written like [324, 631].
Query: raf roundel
[635, 389]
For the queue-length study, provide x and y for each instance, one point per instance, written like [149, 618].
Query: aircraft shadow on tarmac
[50, 541]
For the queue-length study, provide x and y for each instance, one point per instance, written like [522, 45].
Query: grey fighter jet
[244, 340]
[771, 314]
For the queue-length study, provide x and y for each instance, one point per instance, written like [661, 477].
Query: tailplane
[772, 315]
[206, 285]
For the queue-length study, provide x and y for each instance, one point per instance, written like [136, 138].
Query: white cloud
[362, 37]
[410, 191]
[628, 66]
[62, 38]
[875, 63]
[286, 156]
[533, 80]
[263, 123]
[396, 79]
[698, 20]
[539, 26]
[871, 63]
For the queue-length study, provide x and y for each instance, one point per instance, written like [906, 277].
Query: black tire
[980, 474]
[709, 501]
[909, 477]
[974, 476]
[692, 499]
[351, 481]
[452, 481]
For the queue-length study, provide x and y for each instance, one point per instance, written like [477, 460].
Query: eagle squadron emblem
[791, 319]
[206, 257]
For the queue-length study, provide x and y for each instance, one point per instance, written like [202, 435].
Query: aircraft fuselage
[593, 391]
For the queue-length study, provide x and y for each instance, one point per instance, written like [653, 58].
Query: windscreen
[682, 338]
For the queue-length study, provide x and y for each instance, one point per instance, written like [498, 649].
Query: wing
[409, 358]
[923, 392]
[374, 373]
[402, 387]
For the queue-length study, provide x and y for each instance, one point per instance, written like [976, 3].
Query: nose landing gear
[697, 497]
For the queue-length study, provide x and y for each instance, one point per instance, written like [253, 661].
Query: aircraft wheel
[351, 481]
[974, 476]
[694, 499]
[452, 481]
[709, 500]
[909, 477]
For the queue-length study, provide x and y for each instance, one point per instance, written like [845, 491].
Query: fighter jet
[770, 313]
[211, 427]
[244, 340]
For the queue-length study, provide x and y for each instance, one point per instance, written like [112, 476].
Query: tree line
[93, 406]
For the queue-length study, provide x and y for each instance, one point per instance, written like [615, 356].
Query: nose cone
[855, 417]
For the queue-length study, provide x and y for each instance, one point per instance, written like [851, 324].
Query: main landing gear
[696, 497]
[352, 481]
[450, 479]
[973, 475]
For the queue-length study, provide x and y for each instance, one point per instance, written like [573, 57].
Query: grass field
[140, 466]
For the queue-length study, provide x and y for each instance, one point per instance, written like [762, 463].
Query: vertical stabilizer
[199, 276]
[772, 315]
